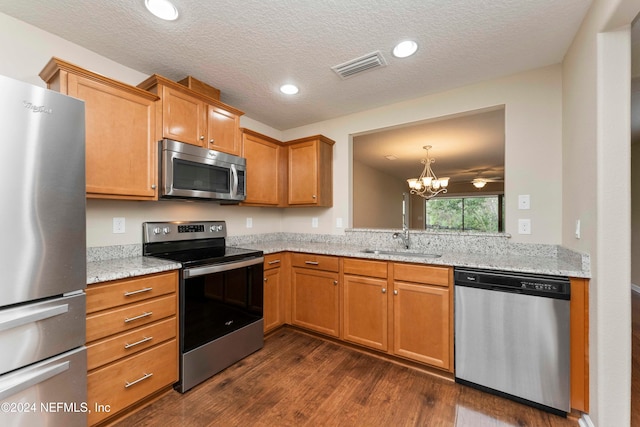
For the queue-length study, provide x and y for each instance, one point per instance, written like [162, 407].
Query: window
[484, 213]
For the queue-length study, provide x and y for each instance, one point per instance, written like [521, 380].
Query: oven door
[219, 299]
[194, 172]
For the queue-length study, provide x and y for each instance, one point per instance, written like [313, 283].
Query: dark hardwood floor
[635, 359]
[301, 380]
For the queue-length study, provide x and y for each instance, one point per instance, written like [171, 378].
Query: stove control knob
[156, 230]
[166, 230]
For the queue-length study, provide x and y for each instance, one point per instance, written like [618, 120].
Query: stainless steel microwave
[191, 172]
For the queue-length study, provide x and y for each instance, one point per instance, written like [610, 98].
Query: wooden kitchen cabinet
[365, 307]
[120, 122]
[266, 169]
[132, 350]
[423, 314]
[310, 171]
[274, 296]
[191, 117]
[315, 293]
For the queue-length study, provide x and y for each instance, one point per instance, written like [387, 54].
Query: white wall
[533, 154]
[596, 153]
[378, 203]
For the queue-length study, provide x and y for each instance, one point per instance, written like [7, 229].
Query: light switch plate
[524, 201]
[314, 222]
[249, 222]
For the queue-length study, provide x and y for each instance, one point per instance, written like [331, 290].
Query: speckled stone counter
[475, 250]
[121, 268]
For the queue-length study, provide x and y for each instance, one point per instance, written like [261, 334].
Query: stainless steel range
[221, 295]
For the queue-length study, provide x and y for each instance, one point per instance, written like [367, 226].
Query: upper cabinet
[310, 171]
[188, 116]
[266, 169]
[120, 121]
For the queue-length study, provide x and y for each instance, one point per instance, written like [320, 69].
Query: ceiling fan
[481, 182]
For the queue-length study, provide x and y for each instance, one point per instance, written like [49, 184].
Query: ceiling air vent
[359, 65]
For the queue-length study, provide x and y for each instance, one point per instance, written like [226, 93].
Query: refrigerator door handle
[31, 316]
[29, 379]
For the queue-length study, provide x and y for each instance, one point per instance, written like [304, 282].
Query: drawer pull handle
[275, 261]
[145, 314]
[139, 291]
[129, 384]
[312, 262]
[133, 344]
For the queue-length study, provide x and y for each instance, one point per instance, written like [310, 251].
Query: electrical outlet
[524, 226]
[249, 222]
[339, 223]
[578, 231]
[118, 225]
[314, 222]
[524, 201]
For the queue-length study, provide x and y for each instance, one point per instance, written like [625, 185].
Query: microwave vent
[359, 65]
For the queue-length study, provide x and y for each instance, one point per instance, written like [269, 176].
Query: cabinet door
[365, 311]
[422, 323]
[272, 299]
[223, 130]
[120, 147]
[263, 170]
[183, 117]
[303, 173]
[316, 299]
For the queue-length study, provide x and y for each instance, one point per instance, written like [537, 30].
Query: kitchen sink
[401, 253]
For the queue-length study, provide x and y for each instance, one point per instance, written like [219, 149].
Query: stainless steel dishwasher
[512, 336]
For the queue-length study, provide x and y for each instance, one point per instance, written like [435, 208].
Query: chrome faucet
[404, 236]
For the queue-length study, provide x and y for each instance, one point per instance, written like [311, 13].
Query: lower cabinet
[315, 293]
[411, 303]
[365, 311]
[273, 303]
[132, 349]
[422, 319]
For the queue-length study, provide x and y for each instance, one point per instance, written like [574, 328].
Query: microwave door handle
[234, 173]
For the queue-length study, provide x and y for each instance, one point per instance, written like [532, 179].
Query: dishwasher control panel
[506, 281]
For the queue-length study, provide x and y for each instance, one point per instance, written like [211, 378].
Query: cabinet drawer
[360, 267]
[105, 323]
[113, 294]
[318, 262]
[113, 348]
[129, 380]
[422, 274]
[273, 260]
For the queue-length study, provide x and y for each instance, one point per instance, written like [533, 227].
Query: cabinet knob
[153, 186]
[201, 137]
[211, 141]
[335, 282]
[395, 292]
[265, 280]
[314, 196]
[384, 290]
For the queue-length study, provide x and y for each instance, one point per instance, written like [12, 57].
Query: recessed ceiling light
[289, 89]
[163, 9]
[405, 48]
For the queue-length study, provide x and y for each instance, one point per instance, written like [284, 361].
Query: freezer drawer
[49, 393]
[36, 331]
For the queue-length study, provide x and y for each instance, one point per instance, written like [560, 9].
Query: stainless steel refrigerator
[43, 366]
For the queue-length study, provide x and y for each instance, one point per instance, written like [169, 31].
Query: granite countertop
[553, 265]
[121, 268]
[112, 263]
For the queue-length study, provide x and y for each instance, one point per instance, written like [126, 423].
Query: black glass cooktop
[201, 252]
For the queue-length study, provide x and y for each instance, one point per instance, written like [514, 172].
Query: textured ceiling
[249, 48]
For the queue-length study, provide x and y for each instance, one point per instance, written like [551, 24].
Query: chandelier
[428, 185]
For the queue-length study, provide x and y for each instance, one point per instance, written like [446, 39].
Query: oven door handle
[218, 268]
